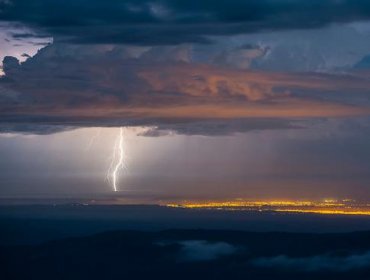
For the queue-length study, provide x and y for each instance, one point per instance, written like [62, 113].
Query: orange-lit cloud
[98, 86]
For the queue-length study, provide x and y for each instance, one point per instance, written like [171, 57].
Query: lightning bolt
[118, 160]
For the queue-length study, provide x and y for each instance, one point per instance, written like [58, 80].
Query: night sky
[185, 139]
[216, 99]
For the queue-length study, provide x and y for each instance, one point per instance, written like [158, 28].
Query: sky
[217, 99]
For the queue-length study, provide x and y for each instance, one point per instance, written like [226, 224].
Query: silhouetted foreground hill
[192, 254]
[35, 224]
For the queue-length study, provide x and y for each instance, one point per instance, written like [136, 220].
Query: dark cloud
[71, 85]
[29, 128]
[24, 36]
[221, 127]
[173, 22]
[364, 63]
[45, 125]
[316, 263]
[10, 64]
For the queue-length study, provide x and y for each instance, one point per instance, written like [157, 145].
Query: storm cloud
[173, 22]
[111, 85]
[167, 64]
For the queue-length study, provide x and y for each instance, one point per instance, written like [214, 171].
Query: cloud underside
[172, 22]
[77, 86]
